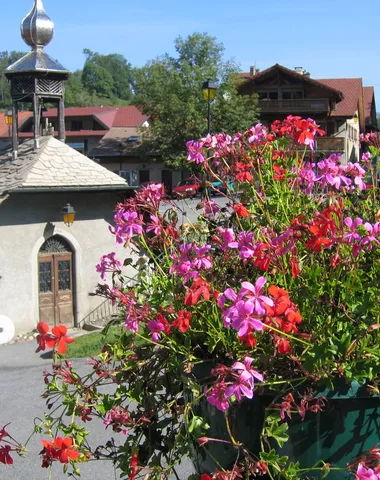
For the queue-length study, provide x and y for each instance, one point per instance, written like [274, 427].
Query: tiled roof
[106, 118]
[351, 88]
[368, 94]
[129, 117]
[53, 166]
[79, 133]
[123, 116]
[78, 111]
[116, 138]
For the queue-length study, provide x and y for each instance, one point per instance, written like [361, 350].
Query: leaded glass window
[64, 275]
[45, 277]
[55, 244]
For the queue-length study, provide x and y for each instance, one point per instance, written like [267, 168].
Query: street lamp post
[209, 90]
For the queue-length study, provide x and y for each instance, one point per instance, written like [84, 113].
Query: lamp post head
[209, 90]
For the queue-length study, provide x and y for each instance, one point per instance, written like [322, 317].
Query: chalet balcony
[330, 144]
[295, 107]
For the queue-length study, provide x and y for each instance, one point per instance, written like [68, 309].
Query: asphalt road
[187, 208]
[21, 387]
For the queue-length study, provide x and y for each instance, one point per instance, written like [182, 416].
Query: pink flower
[367, 473]
[155, 226]
[257, 133]
[228, 238]
[156, 327]
[353, 236]
[108, 263]
[195, 152]
[255, 294]
[217, 396]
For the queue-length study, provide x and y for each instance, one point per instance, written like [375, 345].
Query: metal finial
[36, 28]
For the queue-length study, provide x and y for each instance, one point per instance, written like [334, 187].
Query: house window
[292, 94]
[268, 94]
[130, 176]
[76, 125]
[330, 129]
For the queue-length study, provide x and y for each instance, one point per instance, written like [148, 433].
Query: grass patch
[91, 344]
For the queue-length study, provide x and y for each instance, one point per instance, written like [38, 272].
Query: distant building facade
[342, 107]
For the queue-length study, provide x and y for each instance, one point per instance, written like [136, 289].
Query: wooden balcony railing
[307, 105]
[330, 144]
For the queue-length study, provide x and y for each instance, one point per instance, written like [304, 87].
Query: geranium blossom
[108, 263]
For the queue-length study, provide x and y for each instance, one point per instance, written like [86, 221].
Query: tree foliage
[107, 75]
[170, 90]
[6, 59]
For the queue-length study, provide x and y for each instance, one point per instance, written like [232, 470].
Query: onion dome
[36, 28]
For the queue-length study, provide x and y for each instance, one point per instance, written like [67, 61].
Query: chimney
[302, 71]
[252, 71]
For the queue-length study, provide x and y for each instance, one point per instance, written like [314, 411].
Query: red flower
[134, 467]
[3, 432]
[4, 455]
[182, 322]
[61, 340]
[241, 211]
[279, 173]
[44, 339]
[318, 241]
[198, 288]
[283, 346]
[204, 476]
[249, 339]
[60, 449]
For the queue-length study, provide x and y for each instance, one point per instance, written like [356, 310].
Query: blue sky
[330, 38]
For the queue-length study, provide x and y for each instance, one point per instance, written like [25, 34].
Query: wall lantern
[9, 117]
[356, 118]
[68, 214]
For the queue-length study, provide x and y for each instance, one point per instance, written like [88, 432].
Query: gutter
[72, 189]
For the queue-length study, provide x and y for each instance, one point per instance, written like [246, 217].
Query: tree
[6, 59]
[119, 74]
[169, 89]
[97, 80]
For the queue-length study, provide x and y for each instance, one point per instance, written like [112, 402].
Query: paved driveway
[21, 386]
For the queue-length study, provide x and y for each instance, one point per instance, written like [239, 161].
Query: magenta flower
[108, 263]
[155, 225]
[201, 259]
[373, 233]
[217, 396]
[257, 133]
[367, 473]
[255, 294]
[195, 152]
[211, 209]
[243, 316]
[246, 248]
[127, 224]
[353, 236]
[156, 327]
[228, 238]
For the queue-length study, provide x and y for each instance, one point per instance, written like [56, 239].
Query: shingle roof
[351, 88]
[54, 166]
[36, 61]
[116, 138]
[368, 94]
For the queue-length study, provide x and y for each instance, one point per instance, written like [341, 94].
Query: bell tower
[37, 78]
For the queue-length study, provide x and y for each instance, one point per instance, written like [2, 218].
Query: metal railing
[103, 312]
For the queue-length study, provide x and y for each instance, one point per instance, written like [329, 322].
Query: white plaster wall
[350, 131]
[26, 220]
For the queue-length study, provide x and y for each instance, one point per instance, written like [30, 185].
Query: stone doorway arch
[55, 282]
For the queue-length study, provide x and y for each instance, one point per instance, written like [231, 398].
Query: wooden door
[56, 292]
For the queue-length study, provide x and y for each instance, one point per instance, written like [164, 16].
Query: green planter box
[348, 426]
